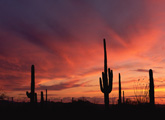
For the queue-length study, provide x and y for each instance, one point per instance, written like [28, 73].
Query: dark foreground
[79, 110]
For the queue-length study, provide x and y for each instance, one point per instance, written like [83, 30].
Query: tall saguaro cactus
[32, 95]
[119, 101]
[151, 85]
[107, 80]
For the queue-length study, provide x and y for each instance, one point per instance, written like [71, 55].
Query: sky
[64, 40]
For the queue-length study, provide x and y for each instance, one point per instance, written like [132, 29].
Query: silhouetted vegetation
[151, 91]
[32, 95]
[106, 82]
[42, 97]
[119, 101]
[141, 91]
[46, 96]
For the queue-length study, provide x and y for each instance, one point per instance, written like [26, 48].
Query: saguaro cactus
[151, 85]
[46, 95]
[36, 97]
[105, 83]
[119, 101]
[31, 95]
[42, 100]
[123, 98]
[42, 97]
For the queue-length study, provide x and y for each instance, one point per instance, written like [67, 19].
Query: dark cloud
[143, 70]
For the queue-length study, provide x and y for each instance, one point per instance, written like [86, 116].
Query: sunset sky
[64, 40]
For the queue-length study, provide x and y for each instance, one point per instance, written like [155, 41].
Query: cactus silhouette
[105, 83]
[32, 94]
[46, 95]
[119, 101]
[123, 98]
[36, 97]
[42, 97]
[151, 90]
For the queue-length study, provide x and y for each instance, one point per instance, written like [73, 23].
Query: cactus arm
[109, 76]
[101, 86]
[110, 73]
[103, 79]
[28, 94]
[112, 78]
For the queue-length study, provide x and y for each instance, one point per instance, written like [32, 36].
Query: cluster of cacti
[151, 88]
[42, 96]
[32, 95]
[107, 79]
